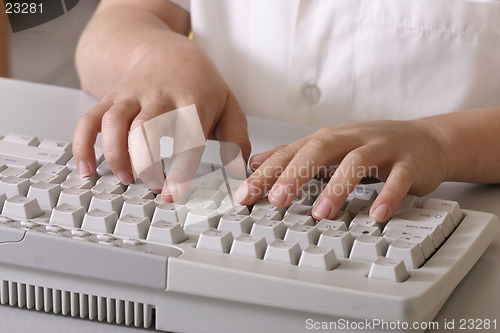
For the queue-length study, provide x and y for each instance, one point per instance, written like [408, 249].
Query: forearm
[119, 33]
[471, 143]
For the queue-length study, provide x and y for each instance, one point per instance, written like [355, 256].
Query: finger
[258, 159]
[87, 128]
[356, 164]
[114, 134]
[232, 160]
[258, 183]
[398, 184]
[189, 144]
[232, 127]
[146, 131]
[313, 156]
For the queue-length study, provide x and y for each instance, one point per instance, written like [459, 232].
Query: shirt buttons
[311, 93]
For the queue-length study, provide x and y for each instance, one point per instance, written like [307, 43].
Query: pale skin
[135, 58]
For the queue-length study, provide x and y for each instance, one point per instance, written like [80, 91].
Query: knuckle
[283, 156]
[357, 157]
[317, 145]
[393, 193]
[324, 131]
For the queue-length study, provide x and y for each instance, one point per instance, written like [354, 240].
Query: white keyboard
[94, 248]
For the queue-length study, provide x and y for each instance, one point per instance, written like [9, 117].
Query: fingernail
[84, 169]
[323, 209]
[241, 193]
[125, 177]
[171, 188]
[254, 164]
[380, 213]
[278, 195]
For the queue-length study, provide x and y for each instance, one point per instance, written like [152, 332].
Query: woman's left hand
[407, 155]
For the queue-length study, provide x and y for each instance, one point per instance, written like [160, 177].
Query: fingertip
[323, 209]
[254, 162]
[380, 213]
[85, 169]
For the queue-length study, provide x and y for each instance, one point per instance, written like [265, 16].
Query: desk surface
[52, 112]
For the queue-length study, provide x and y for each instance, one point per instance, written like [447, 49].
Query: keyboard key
[207, 195]
[98, 220]
[270, 229]
[368, 248]
[107, 188]
[365, 220]
[199, 220]
[13, 186]
[40, 155]
[136, 192]
[249, 246]
[76, 182]
[303, 198]
[325, 224]
[21, 207]
[319, 257]
[22, 139]
[110, 179]
[67, 215]
[433, 230]
[210, 181]
[451, 207]
[359, 229]
[388, 269]
[230, 185]
[416, 236]
[54, 169]
[47, 178]
[197, 203]
[168, 232]
[441, 218]
[132, 226]
[236, 224]
[410, 252]
[107, 201]
[299, 209]
[75, 196]
[261, 213]
[363, 193]
[15, 172]
[228, 206]
[46, 194]
[215, 240]
[170, 212]
[264, 203]
[292, 219]
[357, 206]
[19, 162]
[56, 144]
[92, 178]
[283, 252]
[138, 207]
[340, 241]
[305, 235]
[409, 201]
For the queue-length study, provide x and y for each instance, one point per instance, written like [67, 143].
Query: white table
[52, 112]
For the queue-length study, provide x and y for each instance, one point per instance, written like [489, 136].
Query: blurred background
[44, 53]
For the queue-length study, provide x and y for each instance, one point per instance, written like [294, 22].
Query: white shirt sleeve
[184, 4]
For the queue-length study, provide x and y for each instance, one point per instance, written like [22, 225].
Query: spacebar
[140, 265]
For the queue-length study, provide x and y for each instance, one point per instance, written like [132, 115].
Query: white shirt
[327, 62]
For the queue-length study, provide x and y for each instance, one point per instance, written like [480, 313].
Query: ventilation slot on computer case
[76, 304]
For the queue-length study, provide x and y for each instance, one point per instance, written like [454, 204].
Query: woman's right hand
[161, 75]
